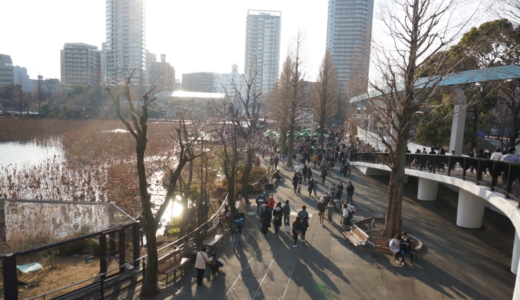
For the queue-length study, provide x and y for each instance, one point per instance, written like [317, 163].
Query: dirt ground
[68, 270]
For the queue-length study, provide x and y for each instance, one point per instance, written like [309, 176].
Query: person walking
[295, 181]
[286, 212]
[304, 172]
[296, 230]
[310, 186]
[322, 206]
[276, 161]
[300, 183]
[350, 192]
[270, 203]
[324, 174]
[315, 159]
[200, 264]
[260, 200]
[309, 172]
[303, 213]
[277, 217]
[266, 221]
[330, 211]
[238, 225]
[347, 216]
[242, 208]
[304, 226]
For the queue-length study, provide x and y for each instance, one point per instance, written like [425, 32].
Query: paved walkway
[457, 263]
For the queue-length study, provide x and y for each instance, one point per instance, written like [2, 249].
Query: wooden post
[122, 249]
[136, 244]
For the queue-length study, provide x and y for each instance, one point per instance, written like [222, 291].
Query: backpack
[388, 243]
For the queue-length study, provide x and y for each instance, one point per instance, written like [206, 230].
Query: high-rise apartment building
[150, 58]
[81, 64]
[162, 75]
[231, 83]
[6, 69]
[349, 34]
[125, 41]
[263, 48]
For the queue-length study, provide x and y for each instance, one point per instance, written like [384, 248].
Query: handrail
[509, 171]
[142, 258]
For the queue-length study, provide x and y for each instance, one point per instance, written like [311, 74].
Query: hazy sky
[195, 35]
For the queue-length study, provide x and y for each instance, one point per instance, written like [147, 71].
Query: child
[330, 211]
[287, 229]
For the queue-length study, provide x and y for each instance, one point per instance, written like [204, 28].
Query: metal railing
[500, 176]
[129, 274]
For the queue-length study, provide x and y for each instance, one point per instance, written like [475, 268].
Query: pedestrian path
[456, 264]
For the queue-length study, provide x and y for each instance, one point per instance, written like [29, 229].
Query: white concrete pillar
[427, 190]
[516, 255]
[459, 121]
[516, 293]
[470, 211]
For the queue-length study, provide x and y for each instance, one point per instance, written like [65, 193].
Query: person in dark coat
[295, 181]
[277, 217]
[350, 192]
[297, 229]
[324, 174]
[304, 227]
[266, 221]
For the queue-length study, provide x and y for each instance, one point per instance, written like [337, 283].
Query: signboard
[90, 259]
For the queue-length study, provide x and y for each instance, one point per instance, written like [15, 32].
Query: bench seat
[170, 263]
[356, 237]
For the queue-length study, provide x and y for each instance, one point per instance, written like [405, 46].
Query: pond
[29, 154]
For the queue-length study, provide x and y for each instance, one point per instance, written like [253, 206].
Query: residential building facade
[162, 75]
[6, 69]
[203, 82]
[20, 76]
[349, 34]
[125, 41]
[262, 57]
[81, 64]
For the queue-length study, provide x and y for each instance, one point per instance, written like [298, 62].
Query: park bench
[363, 222]
[212, 237]
[170, 263]
[356, 237]
[257, 187]
[380, 246]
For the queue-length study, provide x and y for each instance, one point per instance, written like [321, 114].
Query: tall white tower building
[349, 34]
[263, 48]
[125, 41]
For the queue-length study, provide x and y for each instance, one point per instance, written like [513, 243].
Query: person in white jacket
[394, 246]
[497, 155]
[200, 264]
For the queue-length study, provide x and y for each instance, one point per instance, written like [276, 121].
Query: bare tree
[507, 8]
[419, 29]
[247, 120]
[323, 98]
[185, 142]
[293, 92]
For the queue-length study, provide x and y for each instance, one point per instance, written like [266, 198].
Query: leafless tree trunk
[324, 97]
[419, 29]
[137, 126]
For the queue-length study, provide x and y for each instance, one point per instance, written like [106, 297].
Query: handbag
[297, 232]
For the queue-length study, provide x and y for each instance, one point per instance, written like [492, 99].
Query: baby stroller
[215, 266]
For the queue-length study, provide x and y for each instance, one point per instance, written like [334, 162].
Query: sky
[195, 35]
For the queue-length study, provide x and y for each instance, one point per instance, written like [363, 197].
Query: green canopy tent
[304, 133]
[316, 134]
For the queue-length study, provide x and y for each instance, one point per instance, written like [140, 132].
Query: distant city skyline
[196, 36]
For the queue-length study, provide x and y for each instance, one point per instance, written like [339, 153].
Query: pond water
[31, 153]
